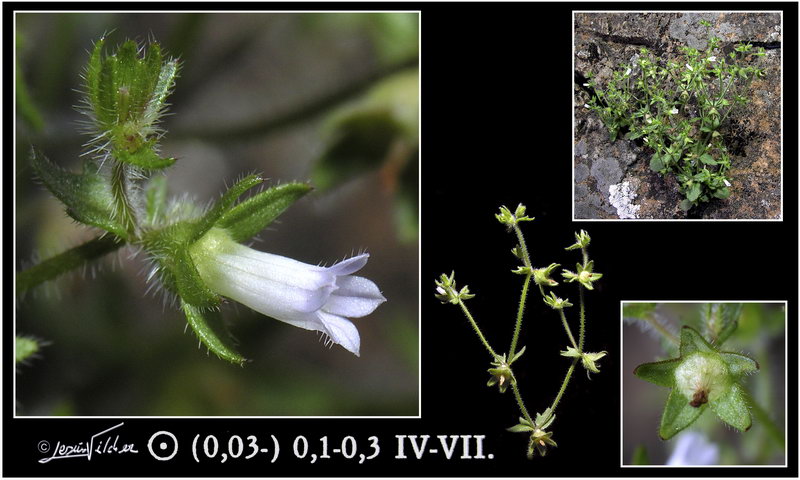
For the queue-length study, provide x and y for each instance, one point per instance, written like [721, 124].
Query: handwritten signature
[101, 443]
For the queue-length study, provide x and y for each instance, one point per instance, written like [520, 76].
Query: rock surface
[753, 135]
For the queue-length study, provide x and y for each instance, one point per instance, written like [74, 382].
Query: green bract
[678, 107]
[701, 377]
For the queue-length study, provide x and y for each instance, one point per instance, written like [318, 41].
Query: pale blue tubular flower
[306, 296]
[693, 448]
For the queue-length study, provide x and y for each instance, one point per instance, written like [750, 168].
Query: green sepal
[678, 414]
[732, 408]
[250, 216]
[692, 341]
[210, 329]
[162, 89]
[107, 90]
[739, 364]
[144, 158]
[661, 373]
[92, 77]
[24, 348]
[125, 76]
[224, 205]
[87, 196]
[189, 284]
[170, 249]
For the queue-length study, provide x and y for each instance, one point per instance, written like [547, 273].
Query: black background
[496, 130]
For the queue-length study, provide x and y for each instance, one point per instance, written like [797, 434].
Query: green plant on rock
[502, 374]
[679, 107]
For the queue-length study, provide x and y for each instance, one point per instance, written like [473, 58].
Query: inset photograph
[677, 115]
[703, 384]
[217, 214]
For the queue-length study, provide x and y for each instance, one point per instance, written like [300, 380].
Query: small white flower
[586, 105]
[727, 183]
[689, 67]
[712, 58]
[674, 111]
[628, 72]
[306, 296]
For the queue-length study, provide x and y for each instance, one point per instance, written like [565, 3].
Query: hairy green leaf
[87, 196]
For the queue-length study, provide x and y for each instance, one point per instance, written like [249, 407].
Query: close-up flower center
[702, 378]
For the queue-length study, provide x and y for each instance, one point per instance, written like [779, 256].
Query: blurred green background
[327, 97]
[761, 334]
